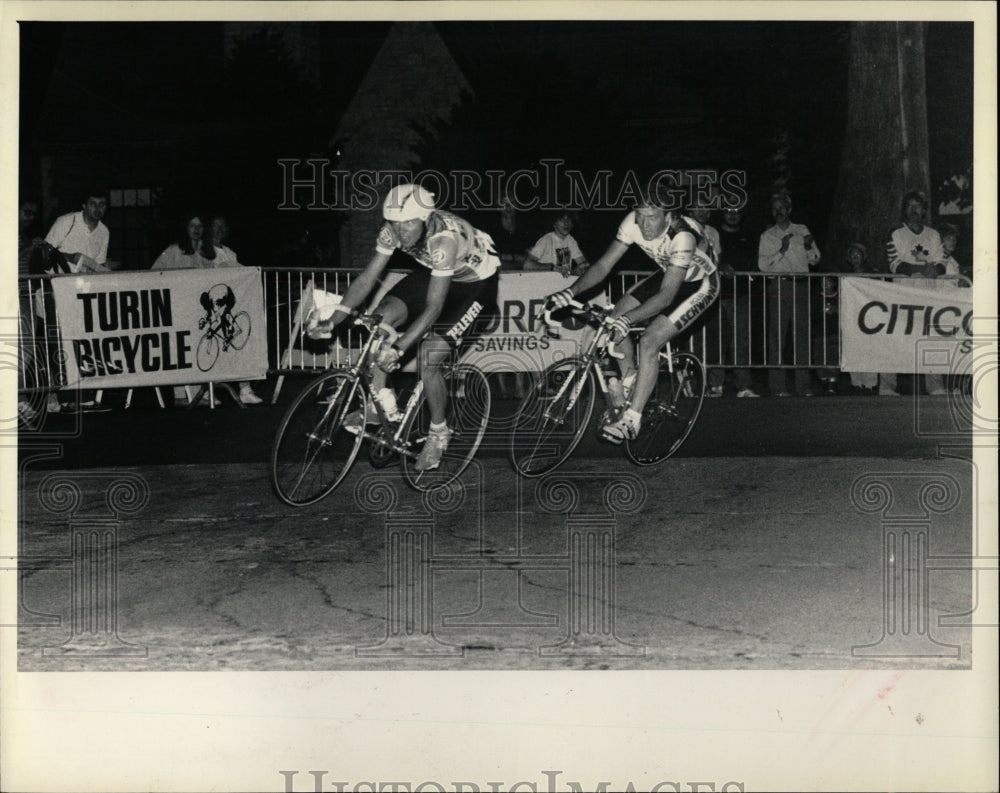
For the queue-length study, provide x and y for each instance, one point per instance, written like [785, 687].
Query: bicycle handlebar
[599, 313]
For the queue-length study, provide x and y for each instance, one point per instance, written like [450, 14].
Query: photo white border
[768, 730]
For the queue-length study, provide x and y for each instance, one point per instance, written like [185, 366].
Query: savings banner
[920, 326]
[519, 341]
[162, 328]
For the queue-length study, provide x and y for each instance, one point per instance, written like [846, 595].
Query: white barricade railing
[738, 331]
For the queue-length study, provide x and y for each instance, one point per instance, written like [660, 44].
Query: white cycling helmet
[408, 202]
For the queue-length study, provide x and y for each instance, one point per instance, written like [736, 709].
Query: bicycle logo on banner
[223, 330]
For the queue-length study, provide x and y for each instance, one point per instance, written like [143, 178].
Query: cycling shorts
[468, 308]
[691, 300]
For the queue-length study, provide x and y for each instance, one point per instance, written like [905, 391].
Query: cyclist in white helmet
[442, 303]
[668, 301]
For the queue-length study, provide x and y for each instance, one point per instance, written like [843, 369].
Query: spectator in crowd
[193, 249]
[949, 242]
[558, 249]
[81, 238]
[786, 249]
[856, 263]
[914, 250]
[708, 335]
[226, 257]
[740, 297]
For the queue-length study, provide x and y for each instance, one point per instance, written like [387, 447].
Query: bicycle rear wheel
[671, 411]
[552, 417]
[469, 402]
[240, 330]
[312, 451]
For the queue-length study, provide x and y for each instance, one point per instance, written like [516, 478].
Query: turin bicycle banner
[174, 327]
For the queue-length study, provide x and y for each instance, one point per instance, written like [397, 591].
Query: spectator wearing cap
[785, 250]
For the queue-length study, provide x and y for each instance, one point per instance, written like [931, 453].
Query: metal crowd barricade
[735, 332]
[39, 341]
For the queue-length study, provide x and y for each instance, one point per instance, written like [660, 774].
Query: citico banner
[920, 325]
[173, 327]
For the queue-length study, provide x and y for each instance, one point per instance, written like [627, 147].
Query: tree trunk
[885, 145]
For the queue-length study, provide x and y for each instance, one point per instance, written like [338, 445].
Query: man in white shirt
[787, 247]
[915, 249]
[81, 237]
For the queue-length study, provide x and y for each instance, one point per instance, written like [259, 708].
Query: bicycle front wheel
[469, 403]
[312, 451]
[671, 411]
[552, 417]
[240, 329]
[208, 351]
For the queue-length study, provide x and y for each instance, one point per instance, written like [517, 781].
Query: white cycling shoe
[434, 448]
[626, 428]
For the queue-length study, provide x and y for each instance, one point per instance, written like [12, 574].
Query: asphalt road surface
[150, 540]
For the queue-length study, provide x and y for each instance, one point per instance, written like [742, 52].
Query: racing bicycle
[557, 409]
[313, 450]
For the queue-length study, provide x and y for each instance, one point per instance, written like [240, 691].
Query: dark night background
[199, 112]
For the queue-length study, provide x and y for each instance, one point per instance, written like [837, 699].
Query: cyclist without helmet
[668, 301]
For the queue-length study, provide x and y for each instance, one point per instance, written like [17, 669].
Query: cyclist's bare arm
[600, 269]
[361, 286]
[672, 280]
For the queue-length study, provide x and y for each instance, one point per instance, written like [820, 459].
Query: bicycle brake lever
[547, 313]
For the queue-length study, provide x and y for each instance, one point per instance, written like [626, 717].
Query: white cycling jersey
[475, 256]
[672, 247]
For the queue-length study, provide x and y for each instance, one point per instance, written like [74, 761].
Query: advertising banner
[919, 326]
[519, 340]
[162, 328]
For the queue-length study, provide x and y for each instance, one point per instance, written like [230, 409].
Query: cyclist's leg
[658, 332]
[625, 346]
[434, 354]
[467, 309]
[637, 295]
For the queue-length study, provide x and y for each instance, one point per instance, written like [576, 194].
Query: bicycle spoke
[312, 451]
[671, 411]
[469, 402]
[552, 417]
